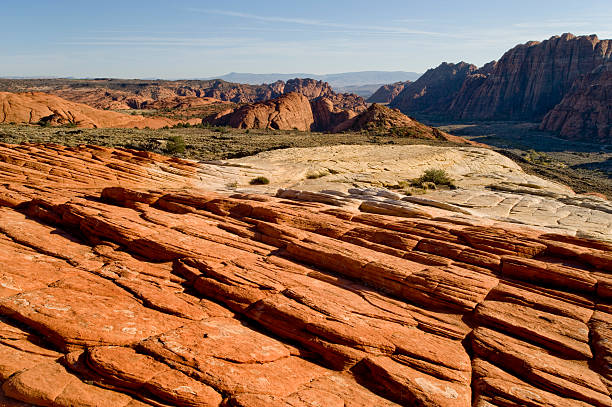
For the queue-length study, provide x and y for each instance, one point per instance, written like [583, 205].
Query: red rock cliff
[586, 110]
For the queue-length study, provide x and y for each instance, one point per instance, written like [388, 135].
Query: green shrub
[259, 181]
[434, 176]
[175, 145]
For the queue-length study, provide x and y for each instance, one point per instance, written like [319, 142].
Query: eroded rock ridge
[124, 285]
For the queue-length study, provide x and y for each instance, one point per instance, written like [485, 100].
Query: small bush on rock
[434, 176]
[259, 181]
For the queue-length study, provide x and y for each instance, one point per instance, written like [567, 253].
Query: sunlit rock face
[123, 282]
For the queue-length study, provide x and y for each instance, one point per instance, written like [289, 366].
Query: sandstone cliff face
[287, 112]
[35, 107]
[119, 291]
[435, 90]
[387, 93]
[585, 113]
[532, 78]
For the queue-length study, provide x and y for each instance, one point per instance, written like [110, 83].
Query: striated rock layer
[129, 288]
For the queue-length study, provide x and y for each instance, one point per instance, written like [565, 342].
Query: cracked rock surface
[123, 283]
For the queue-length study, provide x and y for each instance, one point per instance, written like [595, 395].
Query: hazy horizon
[202, 39]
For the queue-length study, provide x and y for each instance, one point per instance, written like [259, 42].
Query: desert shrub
[434, 176]
[315, 175]
[175, 145]
[259, 181]
[143, 145]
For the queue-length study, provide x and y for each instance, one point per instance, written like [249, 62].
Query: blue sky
[188, 39]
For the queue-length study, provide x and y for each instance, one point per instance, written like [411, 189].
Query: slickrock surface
[131, 287]
[489, 184]
[35, 107]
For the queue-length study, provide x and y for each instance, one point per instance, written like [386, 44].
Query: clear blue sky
[187, 39]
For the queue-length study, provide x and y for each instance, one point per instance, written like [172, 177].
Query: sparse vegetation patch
[259, 181]
[432, 178]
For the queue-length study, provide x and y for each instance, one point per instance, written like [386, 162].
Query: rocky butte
[124, 281]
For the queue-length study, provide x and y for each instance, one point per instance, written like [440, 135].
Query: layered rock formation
[528, 81]
[586, 110]
[36, 107]
[140, 94]
[532, 78]
[525, 84]
[435, 90]
[387, 93]
[155, 294]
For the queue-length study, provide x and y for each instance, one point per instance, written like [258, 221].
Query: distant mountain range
[336, 80]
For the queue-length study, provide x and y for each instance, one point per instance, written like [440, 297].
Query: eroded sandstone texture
[121, 285]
